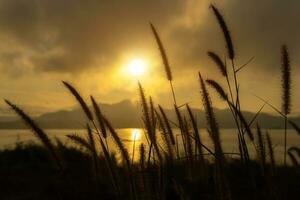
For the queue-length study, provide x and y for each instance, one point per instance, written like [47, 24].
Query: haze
[90, 43]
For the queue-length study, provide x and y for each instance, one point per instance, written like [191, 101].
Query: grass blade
[38, 132]
[82, 103]
[99, 117]
[219, 62]
[225, 31]
[162, 53]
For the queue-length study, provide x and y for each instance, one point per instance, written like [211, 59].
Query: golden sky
[90, 43]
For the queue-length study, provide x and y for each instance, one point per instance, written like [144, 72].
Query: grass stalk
[165, 60]
[286, 92]
[38, 132]
[125, 156]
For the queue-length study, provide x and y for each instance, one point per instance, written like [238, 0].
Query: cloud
[78, 37]
[258, 29]
[71, 36]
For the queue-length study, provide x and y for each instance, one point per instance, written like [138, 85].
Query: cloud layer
[70, 36]
[75, 37]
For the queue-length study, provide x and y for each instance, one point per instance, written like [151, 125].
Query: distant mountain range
[125, 114]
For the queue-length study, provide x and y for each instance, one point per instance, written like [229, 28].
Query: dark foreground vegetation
[163, 171]
[28, 172]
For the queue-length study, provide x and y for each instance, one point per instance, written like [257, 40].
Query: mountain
[125, 114]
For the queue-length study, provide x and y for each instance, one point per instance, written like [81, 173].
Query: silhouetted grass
[38, 132]
[286, 92]
[165, 60]
[27, 172]
[200, 173]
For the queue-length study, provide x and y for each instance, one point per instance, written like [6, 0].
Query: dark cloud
[258, 29]
[72, 35]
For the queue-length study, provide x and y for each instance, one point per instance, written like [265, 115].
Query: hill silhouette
[126, 114]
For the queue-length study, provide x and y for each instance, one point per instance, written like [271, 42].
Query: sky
[90, 43]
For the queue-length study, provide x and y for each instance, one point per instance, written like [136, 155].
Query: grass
[163, 172]
[28, 172]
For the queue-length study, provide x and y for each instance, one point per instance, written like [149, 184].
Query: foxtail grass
[146, 112]
[125, 156]
[119, 143]
[238, 117]
[220, 64]
[217, 60]
[211, 120]
[99, 117]
[80, 100]
[286, 81]
[218, 88]
[231, 55]
[235, 112]
[38, 132]
[164, 59]
[165, 137]
[163, 53]
[86, 109]
[160, 178]
[213, 129]
[168, 126]
[225, 30]
[286, 92]
[148, 119]
[153, 118]
[196, 135]
[244, 122]
[222, 68]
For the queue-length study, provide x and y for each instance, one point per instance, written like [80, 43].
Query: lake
[8, 139]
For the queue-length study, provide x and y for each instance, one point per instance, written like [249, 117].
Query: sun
[137, 67]
[135, 134]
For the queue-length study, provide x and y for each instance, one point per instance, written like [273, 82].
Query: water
[9, 138]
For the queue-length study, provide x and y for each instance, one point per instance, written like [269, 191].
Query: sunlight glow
[137, 67]
[135, 134]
